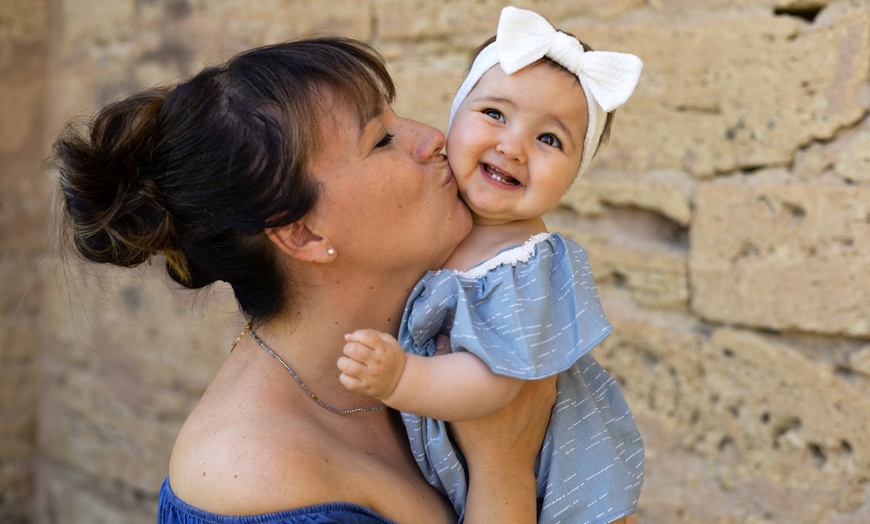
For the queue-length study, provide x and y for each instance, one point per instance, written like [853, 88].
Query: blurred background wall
[728, 222]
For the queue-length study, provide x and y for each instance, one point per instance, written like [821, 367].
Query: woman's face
[388, 198]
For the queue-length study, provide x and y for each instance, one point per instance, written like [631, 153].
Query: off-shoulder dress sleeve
[173, 510]
[530, 312]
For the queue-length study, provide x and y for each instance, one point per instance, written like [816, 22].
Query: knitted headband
[524, 37]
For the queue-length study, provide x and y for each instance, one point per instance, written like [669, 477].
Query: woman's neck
[485, 241]
[310, 336]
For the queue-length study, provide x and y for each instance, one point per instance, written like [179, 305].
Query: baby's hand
[372, 363]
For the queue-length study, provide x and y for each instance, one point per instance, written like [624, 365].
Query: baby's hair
[608, 122]
[198, 171]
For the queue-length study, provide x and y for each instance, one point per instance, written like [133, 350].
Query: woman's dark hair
[608, 122]
[197, 171]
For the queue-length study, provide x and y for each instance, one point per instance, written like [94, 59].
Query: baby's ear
[299, 242]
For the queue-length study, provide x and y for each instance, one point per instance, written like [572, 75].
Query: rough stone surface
[113, 406]
[635, 251]
[24, 31]
[847, 158]
[458, 18]
[721, 93]
[739, 414]
[860, 361]
[69, 496]
[666, 193]
[727, 223]
[783, 257]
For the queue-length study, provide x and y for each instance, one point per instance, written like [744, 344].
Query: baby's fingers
[348, 378]
[369, 337]
[352, 367]
[359, 352]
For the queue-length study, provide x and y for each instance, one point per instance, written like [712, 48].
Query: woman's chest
[380, 470]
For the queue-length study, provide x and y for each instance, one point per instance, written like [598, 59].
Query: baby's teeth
[494, 173]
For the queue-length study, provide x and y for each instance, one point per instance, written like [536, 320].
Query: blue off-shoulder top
[173, 510]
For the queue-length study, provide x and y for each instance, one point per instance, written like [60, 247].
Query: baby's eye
[494, 113]
[550, 140]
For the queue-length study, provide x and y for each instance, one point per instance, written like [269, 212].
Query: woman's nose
[428, 141]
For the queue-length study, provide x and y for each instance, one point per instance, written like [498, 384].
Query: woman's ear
[299, 242]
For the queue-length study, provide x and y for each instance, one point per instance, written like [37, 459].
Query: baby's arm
[451, 386]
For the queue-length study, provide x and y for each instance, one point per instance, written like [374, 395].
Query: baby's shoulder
[524, 257]
[485, 242]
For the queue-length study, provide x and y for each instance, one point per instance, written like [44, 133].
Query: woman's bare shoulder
[240, 460]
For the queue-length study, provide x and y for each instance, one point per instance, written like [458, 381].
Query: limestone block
[474, 22]
[626, 250]
[817, 418]
[667, 193]
[18, 107]
[854, 163]
[17, 481]
[146, 339]
[426, 81]
[69, 285]
[109, 50]
[73, 499]
[17, 434]
[19, 386]
[19, 341]
[24, 30]
[21, 282]
[782, 436]
[685, 5]
[720, 93]
[847, 157]
[97, 22]
[860, 361]
[266, 21]
[127, 358]
[21, 314]
[26, 20]
[656, 280]
[791, 257]
[163, 340]
[87, 427]
[25, 202]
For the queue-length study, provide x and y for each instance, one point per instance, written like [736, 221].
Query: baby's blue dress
[530, 312]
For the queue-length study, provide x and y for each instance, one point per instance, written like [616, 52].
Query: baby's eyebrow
[564, 128]
[492, 98]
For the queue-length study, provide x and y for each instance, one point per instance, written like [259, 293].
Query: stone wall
[728, 222]
[24, 31]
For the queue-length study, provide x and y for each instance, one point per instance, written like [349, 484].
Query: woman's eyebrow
[369, 134]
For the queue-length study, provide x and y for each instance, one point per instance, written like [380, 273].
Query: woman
[286, 174]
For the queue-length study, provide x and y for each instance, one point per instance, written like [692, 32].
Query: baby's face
[516, 142]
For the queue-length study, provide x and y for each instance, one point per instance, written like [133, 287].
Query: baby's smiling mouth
[499, 176]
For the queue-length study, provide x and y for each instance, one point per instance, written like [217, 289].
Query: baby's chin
[489, 219]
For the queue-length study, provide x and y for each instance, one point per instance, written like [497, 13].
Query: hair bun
[114, 208]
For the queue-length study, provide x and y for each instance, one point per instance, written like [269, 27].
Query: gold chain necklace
[249, 330]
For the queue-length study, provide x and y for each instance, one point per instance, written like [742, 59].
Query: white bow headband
[524, 37]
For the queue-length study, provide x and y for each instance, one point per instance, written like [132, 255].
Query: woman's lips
[448, 176]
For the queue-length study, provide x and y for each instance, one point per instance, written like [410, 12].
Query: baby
[518, 302]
